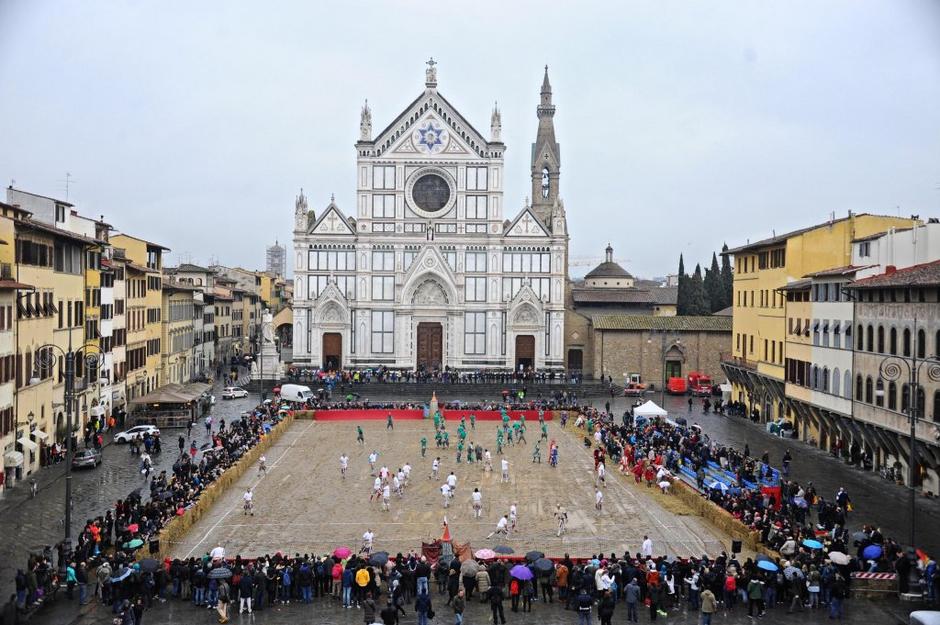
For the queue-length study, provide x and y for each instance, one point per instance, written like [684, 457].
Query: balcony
[738, 361]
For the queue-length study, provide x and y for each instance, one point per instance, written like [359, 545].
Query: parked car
[634, 389]
[233, 392]
[137, 431]
[296, 393]
[86, 458]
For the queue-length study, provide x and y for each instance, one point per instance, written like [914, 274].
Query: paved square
[302, 504]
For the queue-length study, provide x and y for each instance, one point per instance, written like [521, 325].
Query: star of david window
[431, 192]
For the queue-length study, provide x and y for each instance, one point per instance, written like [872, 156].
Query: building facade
[275, 260]
[426, 271]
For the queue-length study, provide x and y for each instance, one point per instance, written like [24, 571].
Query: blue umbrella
[812, 544]
[872, 552]
[121, 575]
[767, 565]
[721, 486]
[521, 572]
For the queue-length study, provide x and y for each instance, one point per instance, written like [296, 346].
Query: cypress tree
[697, 299]
[713, 290]
[681, 295]
[727, 277]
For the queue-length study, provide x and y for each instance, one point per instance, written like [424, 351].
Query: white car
[137, 431]
[233, 392]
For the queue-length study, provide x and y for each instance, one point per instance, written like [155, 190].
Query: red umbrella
[132, 528]
[342, 552]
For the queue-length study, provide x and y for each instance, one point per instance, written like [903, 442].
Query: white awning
[39, 434]
[13, 459]
[97, 411]
[27, 444]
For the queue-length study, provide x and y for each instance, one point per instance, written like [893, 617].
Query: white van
[296, 393]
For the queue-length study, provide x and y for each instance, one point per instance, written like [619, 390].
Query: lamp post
[46, 359]
[892, 368]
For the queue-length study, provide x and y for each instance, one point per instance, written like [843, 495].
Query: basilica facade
[429, 268]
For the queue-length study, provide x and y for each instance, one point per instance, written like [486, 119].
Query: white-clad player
[376, 489]
[505, 466]
[477, 498]
[368, 538]
[386, 495]
[435, 468]
[373, 458]
[513, 517]
[446, 494]
[343, 465]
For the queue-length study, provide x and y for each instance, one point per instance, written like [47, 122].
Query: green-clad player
[521, 436]
[446, 439]
[360, 437]
[459, 450]
[437, 421]
[544, 430]
[473, 421]
[537, 453]
[438, 439]
[424, 445]
[499, 441]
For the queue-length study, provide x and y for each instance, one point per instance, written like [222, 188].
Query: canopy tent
[649, 409]
[173, 394]
[39, 434]
[171, 405]
[27, 443]
[12, 459]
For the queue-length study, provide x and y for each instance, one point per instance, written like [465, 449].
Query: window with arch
[905, 397]
[892, 396]
[921, 402]
[860, 337]
[870, 337]
[936, 345]
[859, 392]
[825, 379]
[879, 393]
[893, 342]
[814, 384]
[906, 344]
[881, 339]
[869, 390]
[836, 381]
[847, 385]
[936, 406]
[921, 343]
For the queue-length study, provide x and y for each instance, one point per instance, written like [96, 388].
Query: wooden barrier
[177, 527]
[874, 585]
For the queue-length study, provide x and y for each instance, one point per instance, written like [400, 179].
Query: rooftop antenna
[68, 182]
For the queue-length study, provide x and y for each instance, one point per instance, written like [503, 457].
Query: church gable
[428, 127]
[527, 225]
[332, 222]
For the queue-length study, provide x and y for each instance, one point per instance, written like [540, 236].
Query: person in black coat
[605, 609]
[496, 604]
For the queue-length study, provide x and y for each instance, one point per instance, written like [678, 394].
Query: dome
[608, 269]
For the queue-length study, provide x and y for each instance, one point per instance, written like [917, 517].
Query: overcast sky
[682, 124]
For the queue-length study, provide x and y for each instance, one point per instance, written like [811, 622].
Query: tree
[681, 295]
[697, 299]
[712, 283]
[727, 277]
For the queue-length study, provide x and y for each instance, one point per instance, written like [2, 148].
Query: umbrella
[872, 552]
[469, 567]
[342, 552]
[521, 572]
[543, 565]
[767, 565]
[220, 573]
[532, 556]
[149, 564]
[133, 528]
[839, 558]
[681, 421]
[379, 558]
[791, 571]
[503, 550]
[121, 575]
[812, 544]
[800, 502]
[165, 495]
[716, 485]
[859, 536]
[485, 554]
[133, 544]
[761, 556]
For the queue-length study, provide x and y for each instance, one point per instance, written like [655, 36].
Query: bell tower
[546, 157]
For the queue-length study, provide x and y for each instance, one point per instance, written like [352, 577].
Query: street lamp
[892, 369]
[46, 359]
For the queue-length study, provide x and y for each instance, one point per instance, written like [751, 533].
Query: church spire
[496, 124]
[365, 123]
[546, 156]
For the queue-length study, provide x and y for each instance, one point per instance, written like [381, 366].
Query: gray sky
[682, 124]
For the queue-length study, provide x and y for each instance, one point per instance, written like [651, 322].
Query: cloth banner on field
[431, 551]
[775, 492]
[462, 552]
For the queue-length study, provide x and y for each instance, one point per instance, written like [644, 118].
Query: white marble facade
[425, 269]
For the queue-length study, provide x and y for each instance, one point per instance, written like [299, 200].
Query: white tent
[649, 409]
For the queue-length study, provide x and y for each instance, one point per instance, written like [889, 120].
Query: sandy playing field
[303, 505]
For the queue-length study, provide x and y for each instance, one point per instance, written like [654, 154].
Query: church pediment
[333, 222]
[430, 126]
[527, 225]
[429, 267]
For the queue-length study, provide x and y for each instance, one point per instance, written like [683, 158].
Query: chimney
[890, 270]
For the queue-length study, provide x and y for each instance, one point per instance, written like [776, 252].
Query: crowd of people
[384, 375]
[105, 544]
[787, 520]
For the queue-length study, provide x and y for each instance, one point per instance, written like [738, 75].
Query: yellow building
[178, 315]
[755, 364]
[144, 275]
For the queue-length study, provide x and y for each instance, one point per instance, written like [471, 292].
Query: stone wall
[617, 352]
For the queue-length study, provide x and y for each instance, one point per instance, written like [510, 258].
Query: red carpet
[410, 415]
